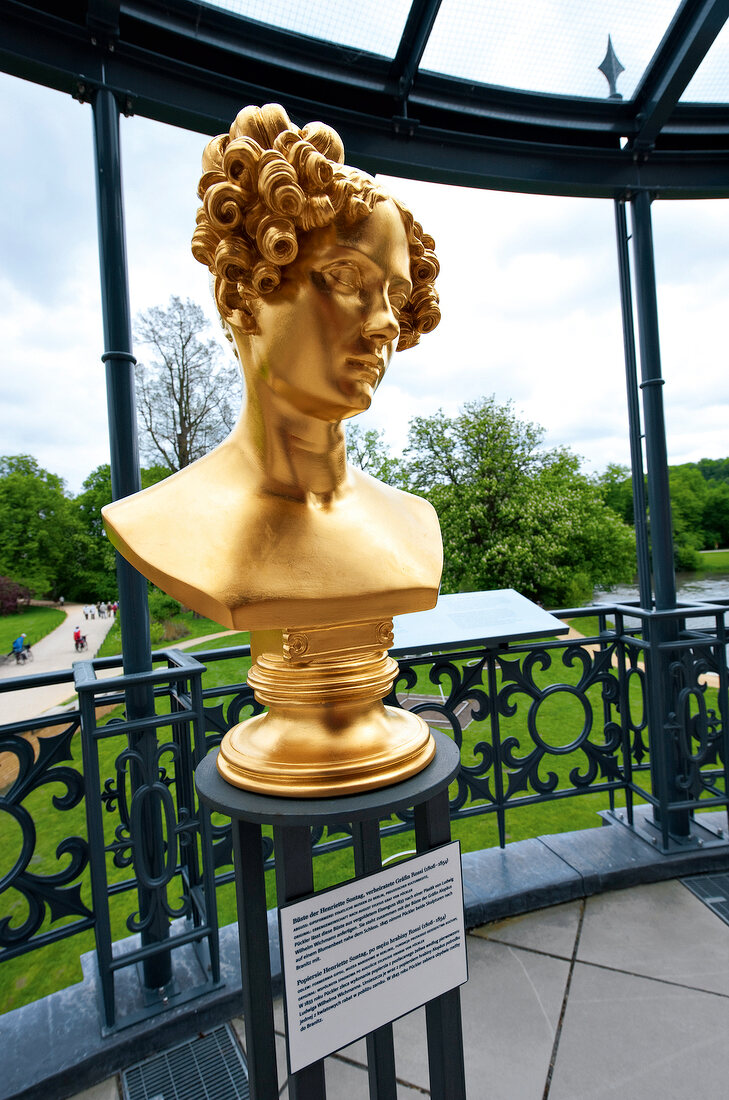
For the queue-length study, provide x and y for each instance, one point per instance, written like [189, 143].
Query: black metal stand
[292, 819]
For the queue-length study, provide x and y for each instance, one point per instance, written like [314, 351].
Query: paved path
[56, 653]
[53, 653]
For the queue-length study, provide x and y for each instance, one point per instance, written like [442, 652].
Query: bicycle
[25, 654]
[81, 644]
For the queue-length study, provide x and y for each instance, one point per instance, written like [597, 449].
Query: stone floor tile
[661, 930]
[510, 1007]
[626, 1036]
[551, 930]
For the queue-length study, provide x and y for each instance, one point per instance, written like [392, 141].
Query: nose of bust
[381, 325]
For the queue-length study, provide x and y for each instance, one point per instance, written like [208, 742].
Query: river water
[691, 588]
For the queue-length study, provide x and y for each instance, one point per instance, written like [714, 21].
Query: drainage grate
[713, 890]
[210, 1067]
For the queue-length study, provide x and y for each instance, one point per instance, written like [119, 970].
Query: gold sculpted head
[319, 276]
[266, 185]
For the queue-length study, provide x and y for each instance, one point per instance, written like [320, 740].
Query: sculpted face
[327, 334]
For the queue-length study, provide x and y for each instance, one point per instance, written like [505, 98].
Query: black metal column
[443, 1015]
[634, 425]
[250, 886]
[664, 749]
[295, 879]
[380, 1043]
[125, 479]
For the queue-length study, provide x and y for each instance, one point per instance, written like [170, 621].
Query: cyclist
[18, 647]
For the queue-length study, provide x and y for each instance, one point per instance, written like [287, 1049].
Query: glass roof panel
[710, 83]
[358, 24]
[553, 46]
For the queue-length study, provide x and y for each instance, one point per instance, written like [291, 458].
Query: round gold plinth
[326, 752]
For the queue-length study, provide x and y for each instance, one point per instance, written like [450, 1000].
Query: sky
[528, 286]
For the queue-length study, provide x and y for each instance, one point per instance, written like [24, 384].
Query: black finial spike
[611, 69]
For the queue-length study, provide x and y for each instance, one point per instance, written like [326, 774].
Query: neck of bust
[298, 455]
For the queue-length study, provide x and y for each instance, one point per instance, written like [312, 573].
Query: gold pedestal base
[327, 731]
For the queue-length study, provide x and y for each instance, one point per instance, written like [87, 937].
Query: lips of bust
[368, 369]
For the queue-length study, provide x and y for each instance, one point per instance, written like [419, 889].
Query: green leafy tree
[616, 489]
[39, 530]
[715, 519]
[368, 451]
[514, 515]
[187, 398]
[97, 560]
[689, 492]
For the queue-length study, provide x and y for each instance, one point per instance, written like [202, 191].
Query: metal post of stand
[292, 820]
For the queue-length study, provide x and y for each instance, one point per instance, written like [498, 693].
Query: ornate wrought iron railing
[635, 710]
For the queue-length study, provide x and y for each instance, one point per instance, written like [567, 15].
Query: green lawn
[182, 627]
[36, 622]
[715, 561]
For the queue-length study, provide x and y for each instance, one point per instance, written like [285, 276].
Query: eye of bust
[343, 277]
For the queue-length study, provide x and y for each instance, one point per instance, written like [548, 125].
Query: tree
[370, 453]
[616, 489]
[39, 531]
[514, 515]
[96, 557]
[187, 399]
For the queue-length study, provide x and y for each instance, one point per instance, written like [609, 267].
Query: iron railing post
[661, 632]
[126, 479]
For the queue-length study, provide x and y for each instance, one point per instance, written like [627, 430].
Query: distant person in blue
[18, 645]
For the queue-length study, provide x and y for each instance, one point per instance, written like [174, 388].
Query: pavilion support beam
[126, 479]
[686, 43]
[665, 756]
[634, 422]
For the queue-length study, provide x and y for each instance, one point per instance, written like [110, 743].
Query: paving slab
[552, 931]
[672, 935]
[627, 1036]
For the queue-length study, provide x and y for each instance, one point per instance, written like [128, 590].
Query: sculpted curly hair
[264, 185]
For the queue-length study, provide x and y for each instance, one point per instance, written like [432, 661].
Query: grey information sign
[468, 617]
[363, 954]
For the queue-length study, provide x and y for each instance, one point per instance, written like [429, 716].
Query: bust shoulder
[254, 560]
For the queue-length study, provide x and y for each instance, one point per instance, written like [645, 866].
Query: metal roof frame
[194, 66]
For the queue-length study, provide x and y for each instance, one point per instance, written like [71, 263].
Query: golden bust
[319, 275]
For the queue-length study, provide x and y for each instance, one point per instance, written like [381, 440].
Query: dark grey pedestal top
[265, 809]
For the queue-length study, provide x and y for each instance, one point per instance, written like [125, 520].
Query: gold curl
[223, 205]
[204, 242]
[315, 172]
[425, 268]
[234, 259]
[278, 186]
[325, 140]
[263, 124]
[286, 140]
[265, 277]
[424, 305]
[318, 212]
[276, 240]
[208, 180]
[212, 157]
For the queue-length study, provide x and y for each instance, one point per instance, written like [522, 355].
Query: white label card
[363, 954]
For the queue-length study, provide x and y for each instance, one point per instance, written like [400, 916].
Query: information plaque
[361, 955]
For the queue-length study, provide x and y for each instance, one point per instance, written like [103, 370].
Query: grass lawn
[715, 561]
[35, 621]
[181, 627]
